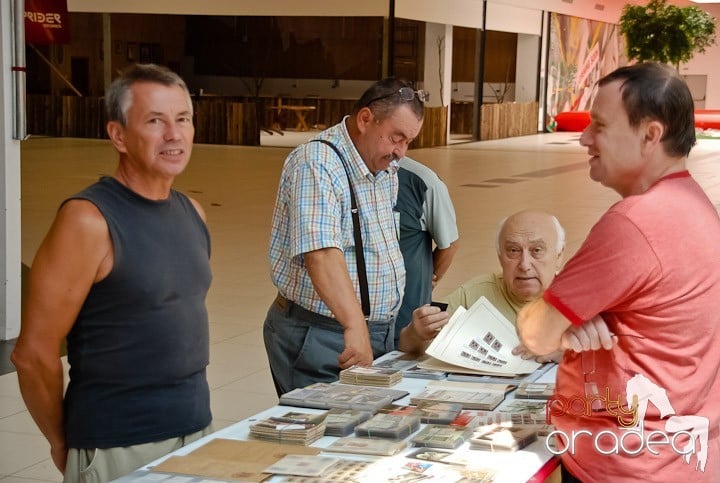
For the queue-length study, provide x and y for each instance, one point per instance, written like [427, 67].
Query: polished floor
[237, 186]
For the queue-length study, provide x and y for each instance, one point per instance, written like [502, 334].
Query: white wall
[603, 10]
[708, 64]
[526, 67]
[509, 18]
[432, 68]
[463, 13]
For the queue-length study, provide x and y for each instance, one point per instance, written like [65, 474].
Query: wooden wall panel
[434, 129]
[409, 50]
[463, 56]
[500, 55]
[66, 116]
[461, 117]
[508, 119]
[242, 126]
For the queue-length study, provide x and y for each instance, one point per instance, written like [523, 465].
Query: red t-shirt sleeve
[612, 267]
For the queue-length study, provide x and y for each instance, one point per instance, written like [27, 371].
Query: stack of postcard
[342, 422]
[474, 419]
[408, 364]
[371, 446]
[535, 390]
[344, 470]
[468, 395]
[389, 426]
[301, 465]
[300, 417]
[326, 396]
[399, 410]
[288, 433]
[441, 436]
[428, 411]
[370, 376]
[484, 419]
[502, 438]
[438, 412]
[527, 409]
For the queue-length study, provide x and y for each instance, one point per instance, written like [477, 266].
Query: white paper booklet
[480, 338]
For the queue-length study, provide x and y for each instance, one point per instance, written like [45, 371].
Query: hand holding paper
[480, 338]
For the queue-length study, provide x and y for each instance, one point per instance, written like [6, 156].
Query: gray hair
[556, 223]
[119, 96]
[380, 100]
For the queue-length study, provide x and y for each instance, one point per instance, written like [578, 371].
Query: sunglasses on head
[406, 94]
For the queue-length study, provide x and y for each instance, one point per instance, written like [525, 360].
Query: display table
[532, 463]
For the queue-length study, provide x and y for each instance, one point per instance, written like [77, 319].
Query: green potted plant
[666, 33]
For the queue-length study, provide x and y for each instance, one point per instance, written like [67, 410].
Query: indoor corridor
[237, 186]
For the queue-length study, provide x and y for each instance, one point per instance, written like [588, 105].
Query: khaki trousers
[103, 465]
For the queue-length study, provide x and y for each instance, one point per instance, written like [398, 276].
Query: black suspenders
[359, 253]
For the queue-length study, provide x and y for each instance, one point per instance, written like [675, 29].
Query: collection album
[488, 351]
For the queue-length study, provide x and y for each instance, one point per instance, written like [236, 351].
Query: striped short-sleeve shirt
[312, 211]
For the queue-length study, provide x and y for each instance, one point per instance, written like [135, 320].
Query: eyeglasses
[587, 359]
[406, 94]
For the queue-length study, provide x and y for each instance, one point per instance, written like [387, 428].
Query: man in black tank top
[122, 275]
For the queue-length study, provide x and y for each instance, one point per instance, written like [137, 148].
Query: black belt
[291, 308]
[302, 313]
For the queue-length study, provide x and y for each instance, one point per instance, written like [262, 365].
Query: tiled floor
[237, 187]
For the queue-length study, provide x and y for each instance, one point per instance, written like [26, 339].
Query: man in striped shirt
[326, 317]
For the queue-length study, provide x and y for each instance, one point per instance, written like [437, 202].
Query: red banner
[47, 22]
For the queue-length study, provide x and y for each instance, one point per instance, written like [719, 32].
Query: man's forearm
[328, 272]
[329, 275]
[42, 391]
[442, 258]
[541, 327]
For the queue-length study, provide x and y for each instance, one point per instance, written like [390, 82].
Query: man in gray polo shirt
[427, 217]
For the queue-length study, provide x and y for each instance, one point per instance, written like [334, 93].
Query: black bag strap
[359, 253]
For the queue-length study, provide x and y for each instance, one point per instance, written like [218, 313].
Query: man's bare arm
[72, 257]
[442, 258]
[329, 275]
[541, 327]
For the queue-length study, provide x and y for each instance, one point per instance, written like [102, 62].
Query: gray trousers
[102, 465]
[303, 347]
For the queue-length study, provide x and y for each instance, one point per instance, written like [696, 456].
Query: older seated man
[530, 247]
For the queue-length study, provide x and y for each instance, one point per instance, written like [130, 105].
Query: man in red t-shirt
[638, 391]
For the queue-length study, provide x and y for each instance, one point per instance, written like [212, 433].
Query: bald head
[530, 247]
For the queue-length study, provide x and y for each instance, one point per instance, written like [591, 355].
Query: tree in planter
[666, 33]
